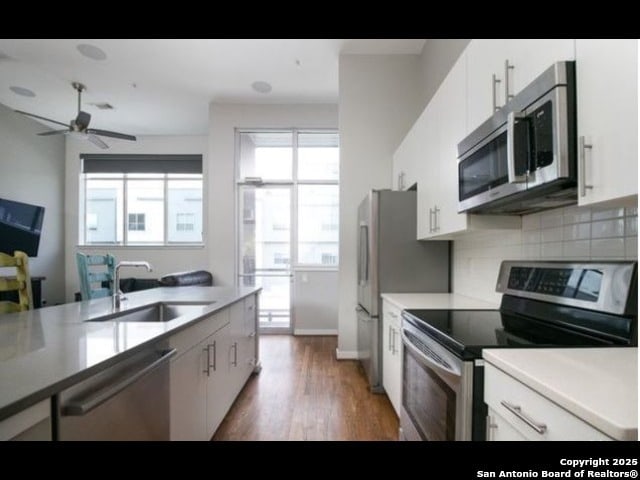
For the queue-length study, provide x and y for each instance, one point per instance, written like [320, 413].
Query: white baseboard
[315, 331]
[346, 354]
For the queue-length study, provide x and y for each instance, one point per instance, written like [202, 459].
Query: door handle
[79, 408]
[207, 370]
[513, 153]
[436, 227]
[507, 96]
[583, 165]
[235, 354]
[390, 344]
[495, 82]
[517, 411]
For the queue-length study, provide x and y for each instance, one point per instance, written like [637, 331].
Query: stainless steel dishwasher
[127, 401]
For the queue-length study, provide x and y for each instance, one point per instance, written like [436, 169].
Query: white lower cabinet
[31, 424]
[517, 412]
[392, 354]
[208, 373]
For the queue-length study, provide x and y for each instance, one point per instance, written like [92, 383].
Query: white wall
[571, 233]
[316, 308]
[437, 57]
[163, 259]
[379, 102]
[223, 120]
[33, 172]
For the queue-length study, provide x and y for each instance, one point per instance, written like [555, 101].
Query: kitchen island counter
[46, 350]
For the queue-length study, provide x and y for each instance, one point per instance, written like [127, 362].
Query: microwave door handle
[514, 147]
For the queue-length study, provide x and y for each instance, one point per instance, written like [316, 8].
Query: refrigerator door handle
[363, 257]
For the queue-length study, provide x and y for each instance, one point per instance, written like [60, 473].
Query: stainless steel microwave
[523, 159]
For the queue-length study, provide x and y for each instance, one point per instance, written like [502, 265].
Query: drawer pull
[517, 411]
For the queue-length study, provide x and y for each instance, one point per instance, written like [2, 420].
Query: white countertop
[598, 385]
[45, 350]
[438, 301]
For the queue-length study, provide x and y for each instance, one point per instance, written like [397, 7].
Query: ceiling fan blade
[41, 118]
[54, 132]
[96, 141]
[107, 133]
[82, 120]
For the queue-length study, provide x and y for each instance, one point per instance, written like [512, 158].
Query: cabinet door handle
[507, 96]
[235, 354]
[517, 411]
[436, 227]
[583, 147]
[490, 427]
[207, 371]
[431, 220]
[389, 345]
[494, 93]
[252, 334]
[393, 341]
[215, 353]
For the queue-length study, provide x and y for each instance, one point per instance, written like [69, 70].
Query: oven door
[437, 390]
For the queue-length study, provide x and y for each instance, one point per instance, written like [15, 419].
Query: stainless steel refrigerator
[391, 260]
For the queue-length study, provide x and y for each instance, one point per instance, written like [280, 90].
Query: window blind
[147, 163]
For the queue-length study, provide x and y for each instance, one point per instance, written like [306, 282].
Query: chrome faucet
[118, 296]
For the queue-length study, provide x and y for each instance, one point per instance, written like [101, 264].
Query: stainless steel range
[545, 304]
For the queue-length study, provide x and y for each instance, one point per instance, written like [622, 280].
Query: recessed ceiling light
[91, 51]
[261, 87]
[25, 92]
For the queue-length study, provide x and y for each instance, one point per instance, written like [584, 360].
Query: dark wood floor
[304, 393]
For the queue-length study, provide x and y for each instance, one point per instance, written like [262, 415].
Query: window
[307, 163]
[142, 199]
[136, 222]
[185, 222]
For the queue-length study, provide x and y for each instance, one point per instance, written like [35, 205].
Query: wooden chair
[20, 283]
[89, 277]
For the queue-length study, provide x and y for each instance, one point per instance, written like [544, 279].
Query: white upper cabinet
[406, 159]
[485, 79]
[607, 92]
[428, 171]
[499, 69]
[527, 58]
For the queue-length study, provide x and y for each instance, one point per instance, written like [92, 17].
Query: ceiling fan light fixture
[91, 51]
[24, 92]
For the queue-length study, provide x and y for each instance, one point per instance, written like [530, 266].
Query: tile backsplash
[571, 233]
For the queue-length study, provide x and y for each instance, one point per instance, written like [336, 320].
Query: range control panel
[579, 283]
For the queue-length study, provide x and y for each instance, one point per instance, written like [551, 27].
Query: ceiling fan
[79, 125]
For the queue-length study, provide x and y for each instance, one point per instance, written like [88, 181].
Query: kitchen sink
[159, 312]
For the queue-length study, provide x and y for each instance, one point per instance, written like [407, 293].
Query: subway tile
[531, 251]
[631, 211]
[551, 234]
[608, 228]
[577, 231]
[607, 248]
[551, 250]
[531, 222]
[576, 215]
[631, 226]
[530, 236]
[604, 213]
[631, 248]
[576, 249]
[552, 218]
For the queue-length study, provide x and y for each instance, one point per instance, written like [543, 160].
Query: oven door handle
[426, 358]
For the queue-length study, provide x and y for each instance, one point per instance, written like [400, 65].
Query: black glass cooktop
[467, 332]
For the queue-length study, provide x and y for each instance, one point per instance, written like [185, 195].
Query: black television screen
[20, 227]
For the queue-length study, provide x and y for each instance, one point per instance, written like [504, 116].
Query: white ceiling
[164, 87]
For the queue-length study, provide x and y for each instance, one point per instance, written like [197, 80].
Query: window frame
[294, 263]
[125, 178]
